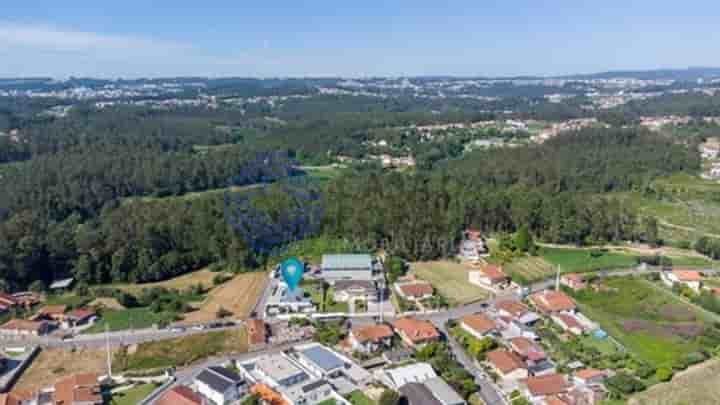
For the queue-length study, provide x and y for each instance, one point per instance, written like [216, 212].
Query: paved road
[116, 339]
[186, 376]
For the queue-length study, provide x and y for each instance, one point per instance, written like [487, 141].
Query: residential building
[342, 372]
[181, 395]
[478, 325]
[284, 301]
[347, 267]
[512, 309]
[590, 376]
[54, 313]
[24, 327]
[551, 302]
[18, 397]
[526, 349]
[61, 285]
[414, 290]
[79, 317]
[472, 246]
[491, 277]
[538, 388]
[279, 379]
[573, 281]
[507, 364]
[7, 302]
[352, 290]
[220, 385]
[78, 389]
[417, 394]
[688, 278]
[568, 323]
[370, 338]
[443, 392]
[414, 332]
[397, 356]
[413, 373]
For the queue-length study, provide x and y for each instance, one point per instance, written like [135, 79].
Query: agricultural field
[53, 364]
[237, 296]
[204, 277]
[450, 279]
[180, 351]
[127, 319]
[699, 385]
[583, 260]
[658, 328]
[529, 269]
[686, 206]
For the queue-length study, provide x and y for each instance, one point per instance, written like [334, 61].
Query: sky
[268, 38]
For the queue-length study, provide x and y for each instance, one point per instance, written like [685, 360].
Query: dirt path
[639, 248]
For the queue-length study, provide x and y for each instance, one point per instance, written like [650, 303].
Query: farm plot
[204, 277]
[54, 364]
[528, 269]
[450, 279]
[658, 328]
[582, 260]
[238, 296]
[697, 385]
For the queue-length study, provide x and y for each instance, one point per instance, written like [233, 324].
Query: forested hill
[552, 188]
[64, 218]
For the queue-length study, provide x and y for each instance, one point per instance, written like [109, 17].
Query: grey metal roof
[323, 358]
[443, 392]
[347, 261]
[215, 381]
[313, 385]
[418, 394]
[226, 373]
[64, 283]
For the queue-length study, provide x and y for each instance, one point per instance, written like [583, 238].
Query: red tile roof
[23, 325]
[52, 310]
[416, 330]
[417, 289]
[574, 277]
[81, 313]
[514, 308]
[551, 384]
[589, 373]
[570, 321]
[374, 333]
[688, 275]
[78, 388]
[180, 395]
[505, 361]
[494, 273]
[552, 301]
[479, 323]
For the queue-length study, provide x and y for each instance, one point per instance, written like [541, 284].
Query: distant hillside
[689, 74]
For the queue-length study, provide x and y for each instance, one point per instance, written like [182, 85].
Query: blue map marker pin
[292, 272]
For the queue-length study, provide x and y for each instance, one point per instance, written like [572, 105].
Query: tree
[624, 384]
[523, 240]
[37, 286]
[651, 232]
[664, 374]
[223, 313]
[389, 397]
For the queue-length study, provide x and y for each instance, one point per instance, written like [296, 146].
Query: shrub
[664, 374]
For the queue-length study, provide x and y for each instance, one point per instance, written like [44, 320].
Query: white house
[490, 277]
[688, 278]
[478, 325]
[219, 385]
[414, 373]
[370, 338]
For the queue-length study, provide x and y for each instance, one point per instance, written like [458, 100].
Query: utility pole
[557, 279]
[382, 297]
[107, 348]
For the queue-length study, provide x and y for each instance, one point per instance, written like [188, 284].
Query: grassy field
[53, 364]
[132, 396]
[68, 299]
[697, 385]
[204, 277]
[528, 269]
[582, 260]
[359, 398]
[238, 296]
[125, 319]
[182, 351]
[450, 279]
[658, 328]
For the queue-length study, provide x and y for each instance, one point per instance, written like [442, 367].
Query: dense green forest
[64, 214]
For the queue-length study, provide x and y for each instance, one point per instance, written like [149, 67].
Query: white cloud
[32, 49]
